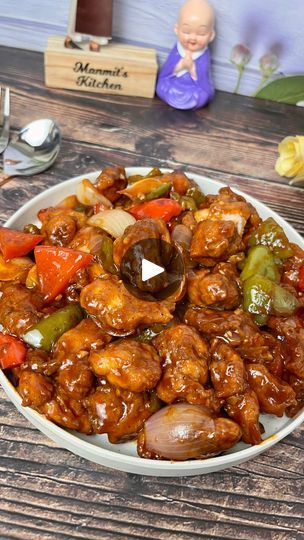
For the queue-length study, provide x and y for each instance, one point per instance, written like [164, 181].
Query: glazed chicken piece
[119, 413]
[189, 220]
[214, 240]
[75, 377]
[40, 392]
[181, 183]
[229, 379]
[185, 367]
[143, 229]
[218, 288]
[67, 412]
[291, 331]
[88, 239]
[298, 386]
[230, 206]
[59, 225]
[291, 267]
[245, 410]
[117, 310]
[35, 389]
[234, 327]
[39, 360]
[128, 364]
[83, 338]
[60, 229]
[227, 370]
[110, 181]
[273, 394]
[19, 308]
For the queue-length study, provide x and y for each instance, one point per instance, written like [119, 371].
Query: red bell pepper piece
[16, 243]
[301, 279]
[12, 351]
[164, 209]
[56, 266]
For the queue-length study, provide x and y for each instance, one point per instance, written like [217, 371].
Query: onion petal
[113, 221]
[88, 195]
[183, 431]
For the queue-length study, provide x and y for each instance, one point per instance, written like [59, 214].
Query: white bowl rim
[130, 462]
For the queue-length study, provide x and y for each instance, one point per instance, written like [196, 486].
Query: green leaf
[286, 90]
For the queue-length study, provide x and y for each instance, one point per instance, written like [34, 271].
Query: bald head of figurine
[195, 25]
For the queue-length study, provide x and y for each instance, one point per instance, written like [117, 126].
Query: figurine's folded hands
[187, 63]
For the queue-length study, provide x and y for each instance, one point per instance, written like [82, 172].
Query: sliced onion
[113, 221]
[182, 236]
[88, 195]
[183, 431]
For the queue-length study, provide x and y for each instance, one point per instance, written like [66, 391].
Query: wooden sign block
[115, 69]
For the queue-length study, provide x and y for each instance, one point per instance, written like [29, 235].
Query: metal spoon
[33, 150]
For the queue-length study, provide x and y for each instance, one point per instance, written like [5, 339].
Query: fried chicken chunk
[235, 327]
[128, 364]
[230, 206]
[229, 379]
[218, 288]
[214, 241]
[110, 181]
[290, 330]
[19, 308]
[76, 378]
[185, 367]
[88, 239]
[292, 265]
[118, 311]
[80, 339]
[67, 412]
[141, 230]
[59, 225]
[244, 409]
[34, 388]
[273, 394]
[119, 413]
[227, 370]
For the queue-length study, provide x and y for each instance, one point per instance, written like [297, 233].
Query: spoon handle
[4, 178]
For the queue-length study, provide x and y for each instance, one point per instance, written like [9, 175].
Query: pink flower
[268, 64]
[240, 55]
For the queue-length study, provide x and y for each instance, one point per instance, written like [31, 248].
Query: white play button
[150, 270]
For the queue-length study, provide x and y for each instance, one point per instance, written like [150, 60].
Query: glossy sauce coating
[194, 369]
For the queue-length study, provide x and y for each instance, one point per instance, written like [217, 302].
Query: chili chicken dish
[185, 374]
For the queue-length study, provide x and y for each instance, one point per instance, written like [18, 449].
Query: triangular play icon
[150, 270]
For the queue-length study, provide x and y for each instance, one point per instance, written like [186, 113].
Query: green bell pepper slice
[196, 194]
[105, 255]
[260, 261]
[284, 302]
[158, 192]
[257, 292]
[263, 297]
[271, 234]
[48, 330]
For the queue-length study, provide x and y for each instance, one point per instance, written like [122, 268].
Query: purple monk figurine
[184, 81]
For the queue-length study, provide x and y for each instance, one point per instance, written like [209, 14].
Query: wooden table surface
[46, 492]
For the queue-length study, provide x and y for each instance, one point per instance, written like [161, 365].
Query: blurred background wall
[263, 25]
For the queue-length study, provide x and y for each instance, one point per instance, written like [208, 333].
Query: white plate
[123, 456]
